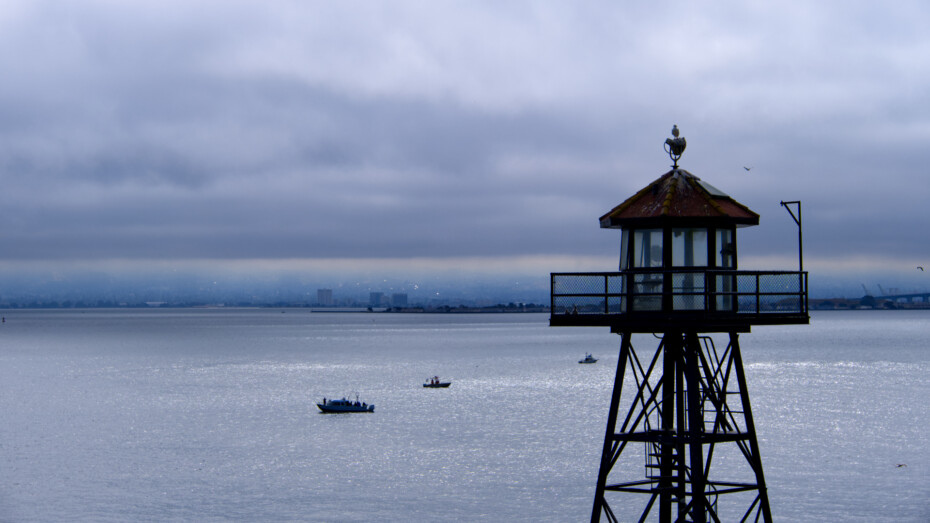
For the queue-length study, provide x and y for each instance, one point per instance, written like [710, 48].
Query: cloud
[326, 131]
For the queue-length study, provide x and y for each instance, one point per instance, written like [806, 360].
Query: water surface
[208, 415]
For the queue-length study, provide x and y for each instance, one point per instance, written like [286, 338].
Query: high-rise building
[375, 299]
[399, 299]
[324, 297]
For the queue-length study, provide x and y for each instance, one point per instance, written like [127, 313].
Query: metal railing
[679, 290]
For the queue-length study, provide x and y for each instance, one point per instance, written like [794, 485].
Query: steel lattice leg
[678, 410]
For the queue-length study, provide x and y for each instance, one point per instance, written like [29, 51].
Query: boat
[588, 358]
[345, 405]
[434, 383]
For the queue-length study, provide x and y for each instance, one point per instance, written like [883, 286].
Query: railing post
[628, 290]
[551, 293]
[667, 290]
[804, 277]
[802, 305]
[710, 283]
[606, 294]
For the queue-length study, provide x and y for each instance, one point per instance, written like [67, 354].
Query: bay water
[209, 415]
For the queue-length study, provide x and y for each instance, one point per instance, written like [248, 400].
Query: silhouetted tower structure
[679, 409]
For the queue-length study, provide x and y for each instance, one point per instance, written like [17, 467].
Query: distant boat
[344, 405]
[434, 383]
[588, 358]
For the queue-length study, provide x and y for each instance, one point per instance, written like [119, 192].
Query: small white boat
[588, 358]
[344, 405]
[434, 383]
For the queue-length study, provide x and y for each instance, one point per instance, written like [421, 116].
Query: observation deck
[706, 300]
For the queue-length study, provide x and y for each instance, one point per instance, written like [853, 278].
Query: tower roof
[679, 197]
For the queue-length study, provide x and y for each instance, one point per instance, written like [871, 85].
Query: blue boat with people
[344, 405]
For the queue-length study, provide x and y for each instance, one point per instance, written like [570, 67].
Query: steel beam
[678, 410]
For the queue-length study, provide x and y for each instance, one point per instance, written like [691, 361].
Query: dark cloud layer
[314, 130]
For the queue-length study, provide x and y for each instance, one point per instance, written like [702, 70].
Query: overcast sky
[435, 135]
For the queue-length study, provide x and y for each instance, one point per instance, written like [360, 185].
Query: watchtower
[677, 410]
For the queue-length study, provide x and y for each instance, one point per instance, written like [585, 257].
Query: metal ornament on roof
[675, 146]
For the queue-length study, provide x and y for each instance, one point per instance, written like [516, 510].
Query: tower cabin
[678, 264]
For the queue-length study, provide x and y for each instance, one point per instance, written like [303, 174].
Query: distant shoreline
[819, 304]
[500, 309]
[864, 303]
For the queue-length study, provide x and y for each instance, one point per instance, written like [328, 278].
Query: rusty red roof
[679, 196]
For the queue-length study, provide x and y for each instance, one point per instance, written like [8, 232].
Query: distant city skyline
[231, 290]
[187, 290]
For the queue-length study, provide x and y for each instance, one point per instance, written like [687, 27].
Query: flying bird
[747, 168]
[919, 267]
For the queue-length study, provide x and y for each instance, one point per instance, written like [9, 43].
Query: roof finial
[675, 146]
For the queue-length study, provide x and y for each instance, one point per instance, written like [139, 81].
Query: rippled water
[208, 415]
